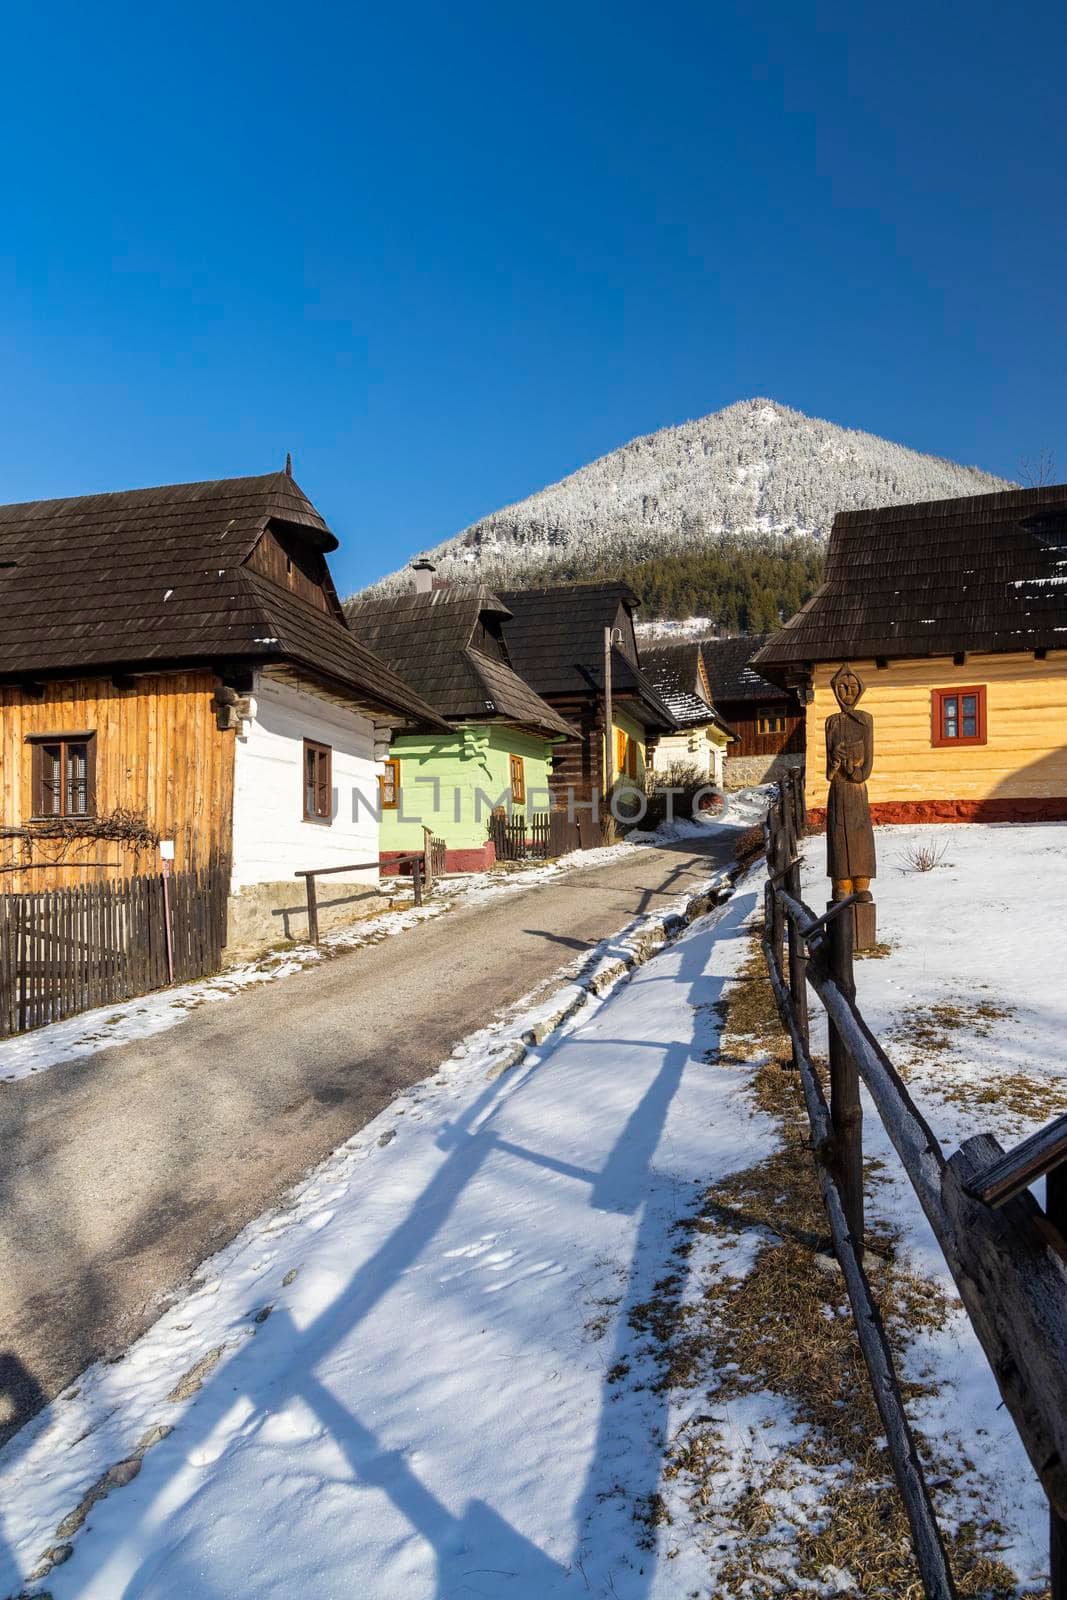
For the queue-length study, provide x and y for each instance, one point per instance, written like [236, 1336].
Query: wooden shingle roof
[985, 573]
[556, 640]
[673, 669]
[730, 673]
[432, 639]
[155, 577]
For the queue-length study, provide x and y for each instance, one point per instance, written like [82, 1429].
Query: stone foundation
[741, 772]
[934, 811]
[263, 914]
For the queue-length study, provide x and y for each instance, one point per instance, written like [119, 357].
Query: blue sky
[447, 254]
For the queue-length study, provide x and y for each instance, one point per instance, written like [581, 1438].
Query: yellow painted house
[954, 614]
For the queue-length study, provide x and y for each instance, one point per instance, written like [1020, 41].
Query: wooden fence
[542, 835]
[521, 838]
[438, 854]
[71, 949]
[1006, 1254]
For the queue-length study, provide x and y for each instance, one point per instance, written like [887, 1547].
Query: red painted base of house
[477, 859]
[923, 811]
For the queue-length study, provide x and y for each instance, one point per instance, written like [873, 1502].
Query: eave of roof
[981, 574]
[150, 578]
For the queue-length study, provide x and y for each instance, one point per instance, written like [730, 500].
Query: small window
[620, 750]
[770, 722]
[958, 716]
[518, 781]
[63, 775]
[318, 782]
[389, 786]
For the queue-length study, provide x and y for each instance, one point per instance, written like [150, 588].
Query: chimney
[424, 571]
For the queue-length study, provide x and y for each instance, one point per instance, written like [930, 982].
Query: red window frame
[940, 718]
[318, 782]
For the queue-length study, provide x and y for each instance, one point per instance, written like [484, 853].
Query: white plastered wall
[271, 839]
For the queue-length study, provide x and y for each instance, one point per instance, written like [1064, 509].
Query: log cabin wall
[158, 753]
[578, 765]
[1018, 772]
[288, 562]
[743, 716]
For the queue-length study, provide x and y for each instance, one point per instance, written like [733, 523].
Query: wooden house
[680, 678]
[176, 674]
[954, 614]
[448, 643]
[556, 640]
[766, 718]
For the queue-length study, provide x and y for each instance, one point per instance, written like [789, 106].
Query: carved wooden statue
[850, 861]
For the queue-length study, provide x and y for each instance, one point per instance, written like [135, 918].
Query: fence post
[798, 955]
[800, 810]
[313, 908]
[775, 862]
[846, 1110]
[427, 855]
[416, 874]
[1056, 1211]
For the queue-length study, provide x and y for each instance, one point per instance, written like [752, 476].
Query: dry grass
[829, 1502]
[940, 1033]
[875, 952]
[923, 856]
[929, 1030]
[749, 845]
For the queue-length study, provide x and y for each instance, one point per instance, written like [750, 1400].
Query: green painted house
[448, 642]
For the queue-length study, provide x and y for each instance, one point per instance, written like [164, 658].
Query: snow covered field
[970, 998]
[434, 1373]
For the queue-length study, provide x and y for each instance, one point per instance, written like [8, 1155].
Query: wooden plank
[1017, 1169]
[911, 1135]
[1015, 1293]
[846, 1108]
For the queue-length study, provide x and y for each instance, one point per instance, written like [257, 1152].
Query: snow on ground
[100, 1029]
[670, 630]
[404, 1382]
[971, 1004]
[408, 1380]
[90, 1031]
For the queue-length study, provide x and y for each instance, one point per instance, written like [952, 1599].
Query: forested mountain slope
[735, 505]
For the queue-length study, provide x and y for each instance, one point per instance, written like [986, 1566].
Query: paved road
[121, 1172]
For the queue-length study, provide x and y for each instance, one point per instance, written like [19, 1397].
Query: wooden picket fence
[1007, 1255]
[69, 950]
[521, 838]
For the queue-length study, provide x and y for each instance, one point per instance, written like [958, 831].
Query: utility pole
[609, 771]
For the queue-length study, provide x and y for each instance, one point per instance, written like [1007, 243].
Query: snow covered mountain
[755, 468]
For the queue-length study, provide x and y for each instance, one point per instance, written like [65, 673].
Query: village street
[122, 1171]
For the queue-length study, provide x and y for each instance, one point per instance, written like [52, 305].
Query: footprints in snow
[509, 1266]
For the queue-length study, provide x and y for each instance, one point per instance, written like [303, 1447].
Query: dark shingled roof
[556, 641]
[674, 671]
[155, 577]
[726, 662]
[430, 639]
[984, 573]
